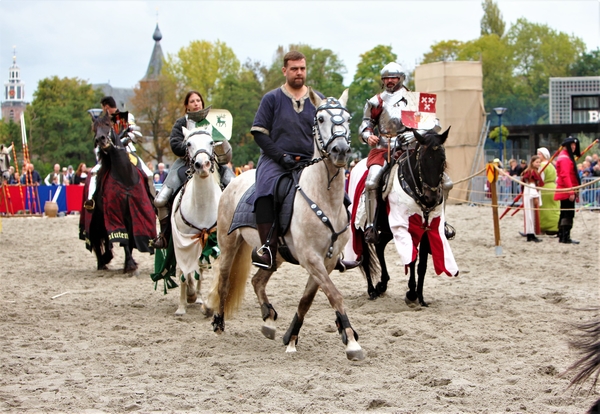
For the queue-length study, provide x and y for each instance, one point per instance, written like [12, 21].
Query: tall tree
[156, 111]
[10, 132]
[366, 83]
[200, 66]
[588, 64]
[240, 94]
[60, 127]
[491, 22]
[497, 67]
[324, 70]
[540, 53]
[444, 51]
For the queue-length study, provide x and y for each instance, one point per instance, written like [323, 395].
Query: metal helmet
[393, 70]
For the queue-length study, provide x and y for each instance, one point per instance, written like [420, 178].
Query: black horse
[122, 209]
[415, 206]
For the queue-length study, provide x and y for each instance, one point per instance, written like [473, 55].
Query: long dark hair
[189, 95]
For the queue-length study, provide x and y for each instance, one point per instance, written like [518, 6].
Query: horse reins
[420, 193]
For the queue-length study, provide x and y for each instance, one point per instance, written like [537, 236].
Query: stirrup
[371, 235]
[449, 231]
[159, 243]
[257, 259]
[343, 265]
[89, 204]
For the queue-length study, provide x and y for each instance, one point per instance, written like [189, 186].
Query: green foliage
[491, 22]
[10, 132]
[324, 70]
[59, 127]
[241, 94]
[517, 67]
[200, 66]
[444, 51]
[495, 134]
[366, 83]
[588, 64]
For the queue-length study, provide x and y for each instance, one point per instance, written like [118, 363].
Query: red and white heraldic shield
[420, 110]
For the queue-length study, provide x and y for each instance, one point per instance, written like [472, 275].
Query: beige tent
[459, 90]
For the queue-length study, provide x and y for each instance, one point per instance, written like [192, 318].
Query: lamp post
[500, 111]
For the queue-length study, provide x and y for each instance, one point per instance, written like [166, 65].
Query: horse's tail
[370, 267]
[588, 345]
[238, 275]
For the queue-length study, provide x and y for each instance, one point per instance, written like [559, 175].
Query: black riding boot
[567, 237]
[162, 240]
[531, 237]
[265, 255]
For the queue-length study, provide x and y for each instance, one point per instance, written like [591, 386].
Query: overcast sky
[111, 41]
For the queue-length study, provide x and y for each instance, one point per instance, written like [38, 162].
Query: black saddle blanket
[284, 201]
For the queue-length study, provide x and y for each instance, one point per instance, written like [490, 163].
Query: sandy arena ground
[495, 340]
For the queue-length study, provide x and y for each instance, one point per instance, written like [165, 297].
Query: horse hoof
[206, 311]
[102, 267]
[180, 312]
[192, 298]
[268, 331]
[355, 355]
[413, 304]
[291, 348]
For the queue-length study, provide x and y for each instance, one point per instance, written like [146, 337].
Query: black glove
[287, 162]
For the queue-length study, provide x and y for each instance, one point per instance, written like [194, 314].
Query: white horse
[316, 237]
[4, 162]
[194, 215]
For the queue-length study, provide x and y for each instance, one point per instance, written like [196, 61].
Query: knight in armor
[383, 130]
[195, 116]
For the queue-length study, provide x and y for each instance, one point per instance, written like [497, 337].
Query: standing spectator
[162, 174]
[80, 174]
[551, 208]
[567, 177]
[49, 180]
[14, 179]
[69, 174]
[514, 168]
[31, 176]
[531, 197]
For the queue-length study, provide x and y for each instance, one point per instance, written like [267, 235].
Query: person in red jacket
[567, 177]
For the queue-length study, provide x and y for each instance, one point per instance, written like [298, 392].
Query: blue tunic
[289, 125]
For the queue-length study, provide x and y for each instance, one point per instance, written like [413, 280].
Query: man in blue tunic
[282, 129]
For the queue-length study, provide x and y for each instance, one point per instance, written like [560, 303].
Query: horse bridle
[419, 192]
[190, 171]
[189, 158]
[336, 119]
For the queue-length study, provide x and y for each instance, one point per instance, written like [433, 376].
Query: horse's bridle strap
[324, 219]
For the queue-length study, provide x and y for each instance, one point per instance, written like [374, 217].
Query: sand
[495, 340]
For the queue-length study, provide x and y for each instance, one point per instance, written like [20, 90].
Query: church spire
[14, 92]
[156, 59]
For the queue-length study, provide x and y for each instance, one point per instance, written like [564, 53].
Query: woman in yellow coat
[550, 209]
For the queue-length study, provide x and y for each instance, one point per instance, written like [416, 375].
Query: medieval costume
[282, 128]
[549, 214]
[567, 177]
[531, 202]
